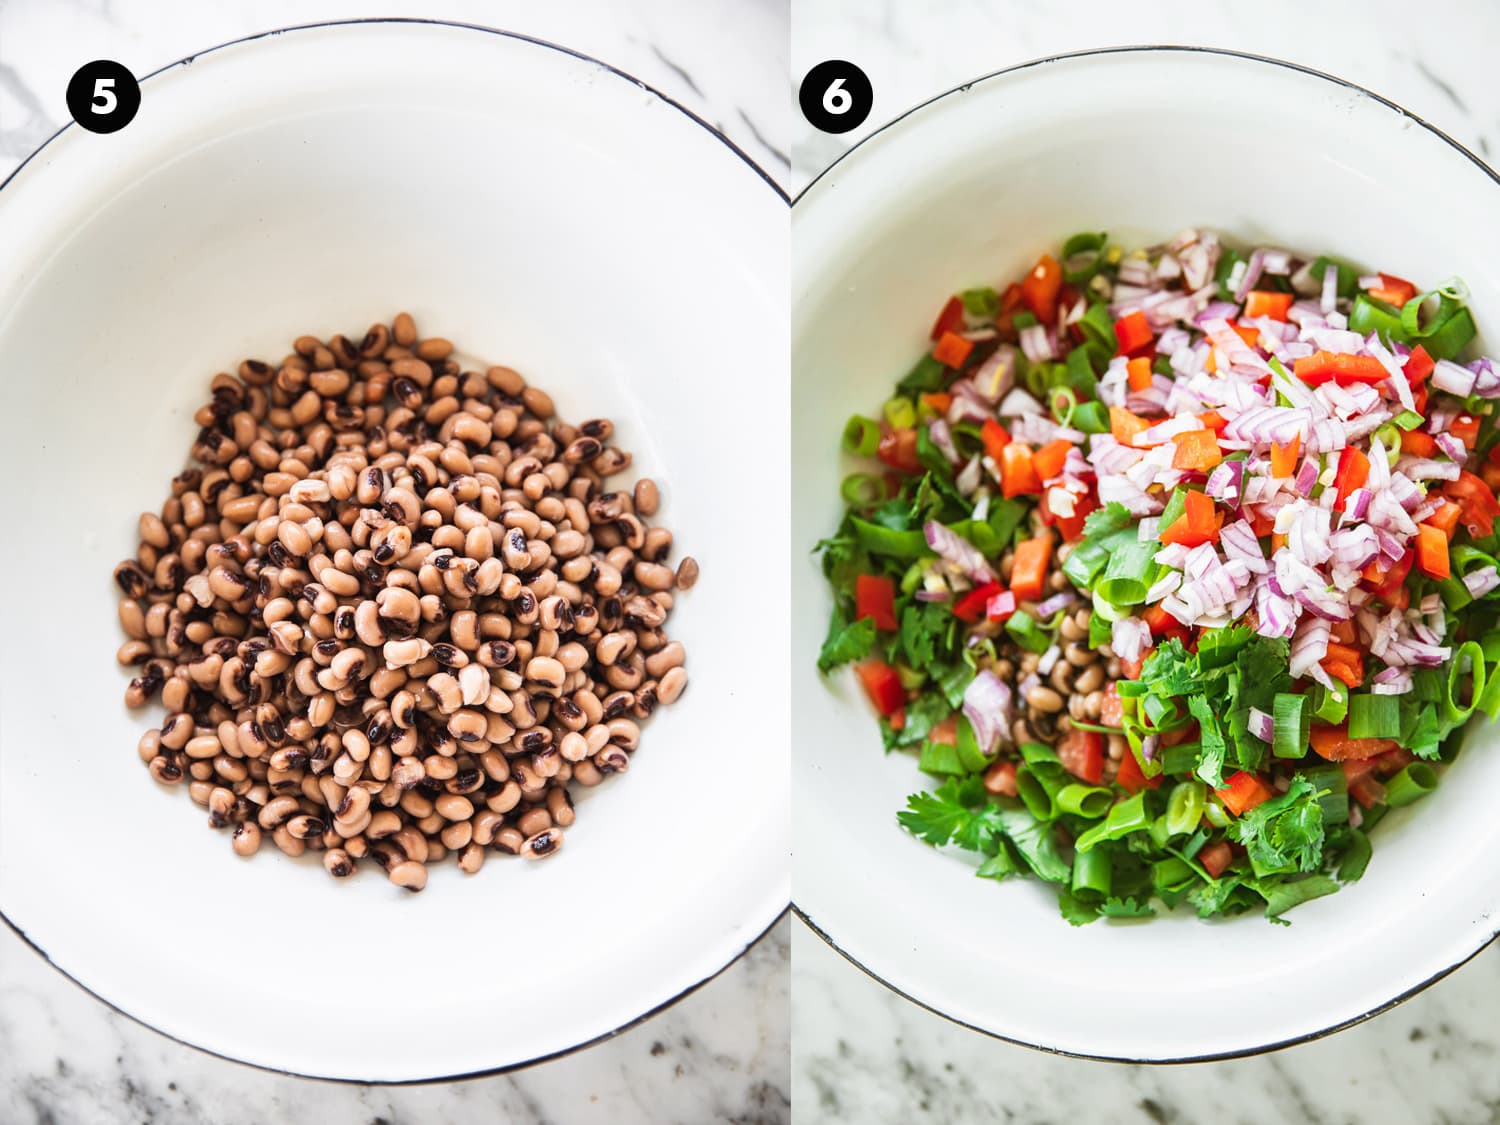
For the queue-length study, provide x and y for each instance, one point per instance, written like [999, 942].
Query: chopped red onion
[1452, 447]
[1330, 293]
[1129, 637]
[1018, 402]
[1036, 343]
[968, 404]
[1048, 661]
[1260, 724]
[995, 375]
[1278, 424]
[1423, 468]
[1250, 274]
[967, 481]
[942, 437]
[1225, 481]
[932, 595]
[1002, 604]
[987, 706]
[1149, 746]
[1056, 602]
[1307, 476]
[957, 550]
[1449, 376]
[1356, 503]
[1480, 582]
[1309, 646]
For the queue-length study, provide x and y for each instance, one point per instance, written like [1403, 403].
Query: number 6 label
[103, 96]
[836, 96]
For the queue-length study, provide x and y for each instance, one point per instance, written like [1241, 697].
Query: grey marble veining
[863, 1054]
[720, 1055]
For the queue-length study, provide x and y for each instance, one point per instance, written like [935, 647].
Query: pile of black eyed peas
[396, 611]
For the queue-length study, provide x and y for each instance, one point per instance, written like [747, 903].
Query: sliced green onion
[1023, 320]
[1124, 818]
[1088, 801]
[1348, 276]
[1171, 874]
[1459, 712]
[1176, 506]
[1159, 833]
[1182, 758]
[860, 490]
[1063, 402]
[1409, 419]
[1098, 327]
[940, 758]
[900, 413]
[983, 302]
[885, 541]
[1330, 705]
[1091, 418]
[1215, 813]
[1356, 855]
[1331, 782]
[1185, 807]
[1420, 314]
[1128, 574]
[1293, 721]
[1080, 373]
[1374, 716]
[1025, 631]
[1092, 872]
[1389, 436]
[1369, 315]
[1035, 795]
[1082, 255]
[861, 435]
[1414, 782]
[1450, 336]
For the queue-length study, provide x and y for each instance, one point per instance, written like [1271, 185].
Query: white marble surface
[719, 1055]
[863, 1054]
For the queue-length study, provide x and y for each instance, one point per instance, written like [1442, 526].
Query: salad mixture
[1177, 569]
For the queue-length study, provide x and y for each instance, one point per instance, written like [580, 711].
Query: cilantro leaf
[1035, 842]
[983, 302]
[1113, 517]
[923, 633]
[1283, 894]
[922, 714]
[956, 811]
[845, 641]
[928, 375]
[1211, 757]
[1126, 908]
[1284, 833]
[1002, 865]
[1076, 910]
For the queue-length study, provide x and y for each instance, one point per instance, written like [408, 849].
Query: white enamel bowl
[969, 189]
[545, 212]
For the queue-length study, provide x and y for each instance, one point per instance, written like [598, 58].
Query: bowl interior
[543, 212]
[969, 190]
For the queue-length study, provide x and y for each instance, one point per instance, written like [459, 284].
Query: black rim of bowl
[1146, 49]
[690, 989]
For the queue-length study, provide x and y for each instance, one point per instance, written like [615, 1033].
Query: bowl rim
[882, 133]
[785, 198]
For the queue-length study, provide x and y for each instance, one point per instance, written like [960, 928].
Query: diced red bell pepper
[1344, 662]
[1284, 457]
[1050, 458]
[1335, 744]
[1344, 369]
[1260, 302]
[1040, 289]
[1138, 374]
[1028, 570]
[995, 438]
[1198, 451]
[1393, 290]
[1418, 366]
[976, 602]
[1123, 425]
[1432, 551]
[952, 349]
[1018, 475]
[875, 598]
[1132, 333]
[951, 319]
[1478, 502]
[1465, 427]
[938, 401]
[1353, 471]
[1419, 444]
[1198, 524]
[883, 685]
[1243, 792]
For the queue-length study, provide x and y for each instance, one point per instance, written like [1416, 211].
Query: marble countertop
[719, 1055]
[863, 1054]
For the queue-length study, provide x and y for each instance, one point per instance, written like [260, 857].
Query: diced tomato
[1215, 857]
[1393, 761]
[1138, 373]
[1432, 551]
[1131, 779]
[1049, 459]
[1040, 287]
[1112, 710]
[1018, 476]
[976, 602]
[1418, 366]
[951, 319]
[898, 449]
[1368, 791]
[1344, 662]
[1082, 755]
[1465, 428]
[1123, 425]
[952, 349]
[995, 438]
[1028, 569]
[1132, 333]
[1489, 472]
[875, 598]
[1335, 744]
[1393, 290]
[1197, 525]
[1344, 369]
[945, 733]
[1419, 444]
[898, 719]
[938, 402]
[1259, 302]
[1353, 471]
[1197, 451]
[1343, 632]
[1262, 524]
[1243, 792]
[1163, 624]
[1478, 502]
[882, 685]
[1000, 779]
[1132, 668]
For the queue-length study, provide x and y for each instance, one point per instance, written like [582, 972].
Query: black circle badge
[103, 96]
[836, 96]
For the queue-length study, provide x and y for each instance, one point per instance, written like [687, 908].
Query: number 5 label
[103, 96]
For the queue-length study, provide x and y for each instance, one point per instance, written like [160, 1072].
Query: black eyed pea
[338, 863]
[246, 838]
[409, 875]
[543, 844]
[546, 672]
[671, 685]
